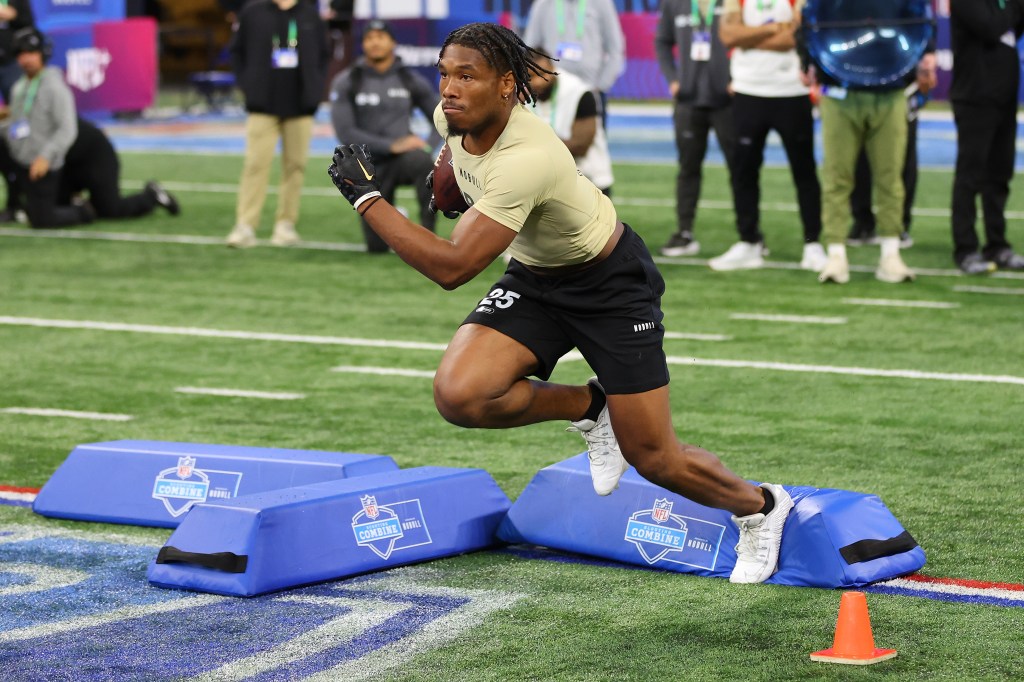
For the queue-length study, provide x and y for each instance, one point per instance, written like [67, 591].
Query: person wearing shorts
[578, 278]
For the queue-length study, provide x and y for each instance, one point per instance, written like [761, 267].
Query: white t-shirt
[765, 73]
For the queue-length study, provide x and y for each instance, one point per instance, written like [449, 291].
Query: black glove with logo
[353, 174]
[432, 204]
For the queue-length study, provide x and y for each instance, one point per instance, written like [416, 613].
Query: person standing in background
[14, 15]
[768, 95]
[698, 82]
[279, 55]
[986, 77]
[373, 101]
[585, 37]
[570, 106]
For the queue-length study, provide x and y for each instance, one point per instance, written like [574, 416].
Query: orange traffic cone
[854, 643]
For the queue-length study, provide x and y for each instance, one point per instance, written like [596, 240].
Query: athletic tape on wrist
[363, 199]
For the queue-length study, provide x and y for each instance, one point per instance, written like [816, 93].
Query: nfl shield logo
[662, 510]
[185, 466]
[370, 506]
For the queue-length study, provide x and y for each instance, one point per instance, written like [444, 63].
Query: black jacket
[704, 84]
[25, 18]
[985, 69]
[280, 92]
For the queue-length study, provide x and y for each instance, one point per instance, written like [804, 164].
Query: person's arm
[584, 127]
[984, 19]
[476, 241]
[614, 43]
[65, 121]
[734, 33]
[664, 42]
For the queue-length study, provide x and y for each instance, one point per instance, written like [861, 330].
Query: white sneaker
[284, 234]
[814, 258]
[606, 461]
[893, 270]
[740, 256]
[757, 552]
[837, 269]
[242, 237]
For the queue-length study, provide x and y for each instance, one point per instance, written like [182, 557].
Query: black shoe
[163, 197]
[681, 244]
[86, 212]
[8, 216]
[975, 264]
[861, 238]
[1006, 259]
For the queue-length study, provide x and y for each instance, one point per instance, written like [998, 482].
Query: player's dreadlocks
[504, 51]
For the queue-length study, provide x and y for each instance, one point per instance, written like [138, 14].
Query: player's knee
[458, 403]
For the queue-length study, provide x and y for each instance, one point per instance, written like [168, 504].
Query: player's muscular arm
[734, 33]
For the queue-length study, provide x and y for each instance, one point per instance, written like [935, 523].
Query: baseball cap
[378, 25]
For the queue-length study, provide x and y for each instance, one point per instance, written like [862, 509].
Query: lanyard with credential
[581, 13]
[30, 96]
[293, 36]
[706, 20]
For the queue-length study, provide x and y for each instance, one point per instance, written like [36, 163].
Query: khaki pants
[876, 121]
[261, 135]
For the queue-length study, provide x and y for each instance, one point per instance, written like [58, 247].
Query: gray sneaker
[1006, 259]
[757, 552]
[681, 244]
[606, 461]
[974, 264]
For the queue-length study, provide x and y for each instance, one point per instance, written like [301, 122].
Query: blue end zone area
[153, 483]
[280, 539]
[833, 538]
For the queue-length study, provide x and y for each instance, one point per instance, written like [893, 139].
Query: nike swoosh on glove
[353, 174]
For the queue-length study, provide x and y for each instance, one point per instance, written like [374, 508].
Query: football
[447, 195]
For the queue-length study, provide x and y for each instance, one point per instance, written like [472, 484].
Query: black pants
[92, 166]
[791, 118]
[860, 198]
[692, 125]
[410, 168]
[38, 197]
[985, 151]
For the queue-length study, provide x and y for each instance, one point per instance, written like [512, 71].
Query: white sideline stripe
[73, 414]
[897, 303]
[219, 333]
[854, 371]
[1013, 595]
[385, 371]
[239, 393]
[197, 240]
[20, 497]
[989, 290]
[800, 319]
[697, 337]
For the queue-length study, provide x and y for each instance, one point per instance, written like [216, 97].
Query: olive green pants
[876, 121]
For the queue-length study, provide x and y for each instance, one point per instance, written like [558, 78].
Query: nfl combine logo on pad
[181, 487]
[661, 536]
[388, 528]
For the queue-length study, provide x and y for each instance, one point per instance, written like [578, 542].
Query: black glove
[353, 174]
[432, 205]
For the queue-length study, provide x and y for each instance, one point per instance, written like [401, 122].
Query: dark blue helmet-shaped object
[867, 43]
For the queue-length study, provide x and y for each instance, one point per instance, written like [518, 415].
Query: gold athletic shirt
[528, 182]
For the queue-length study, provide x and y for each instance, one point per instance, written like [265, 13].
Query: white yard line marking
[854, 371]
[897, 303]
[239, 393]
[989, 290]
[697, 337]
[385, 371]
[73, 414]
[798, 319]
[219, 333]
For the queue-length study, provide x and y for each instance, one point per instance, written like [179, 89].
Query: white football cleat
[606, 461]
[757, 552]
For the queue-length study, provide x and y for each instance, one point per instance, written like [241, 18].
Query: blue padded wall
[154, 483]
[280, 539]
[832, 538]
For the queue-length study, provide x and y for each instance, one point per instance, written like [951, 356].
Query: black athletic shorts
[611, 312]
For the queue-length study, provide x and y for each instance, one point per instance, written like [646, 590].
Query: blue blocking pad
[153, 483]
[325, 531]
[832, 538]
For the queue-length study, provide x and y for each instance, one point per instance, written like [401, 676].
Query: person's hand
[809, 77]
[927, 76]
[7, 13]
[432, 205]
[353, 174]
[673, 89]
[39, 168]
